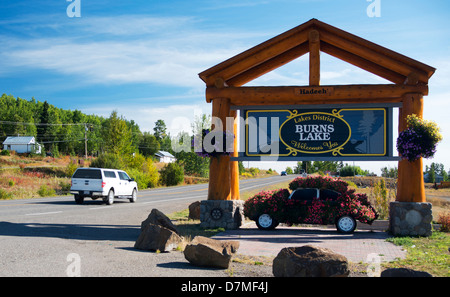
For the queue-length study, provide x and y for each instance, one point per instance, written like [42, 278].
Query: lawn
[430, 254]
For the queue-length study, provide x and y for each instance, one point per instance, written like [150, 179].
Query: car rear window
[109, 174]
[304, 194]
[88, 173]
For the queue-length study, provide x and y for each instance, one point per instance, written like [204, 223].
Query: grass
[190, 228]
[428, 254]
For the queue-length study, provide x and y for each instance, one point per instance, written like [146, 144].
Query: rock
[309, 261]
[404, 272]
[203, 251]
[158, 218]
[156, 237]
[194, 210]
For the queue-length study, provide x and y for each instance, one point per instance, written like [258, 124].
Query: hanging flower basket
[213, 143]
[419, 140]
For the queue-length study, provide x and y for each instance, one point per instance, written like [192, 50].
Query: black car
[311, 206]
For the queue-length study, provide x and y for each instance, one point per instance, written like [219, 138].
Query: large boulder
[156, 237]
[404, 272]
[309, 261]
[156, 217]
[204, 251]
[194, 210]
[158, 233]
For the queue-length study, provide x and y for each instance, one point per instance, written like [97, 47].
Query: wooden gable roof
[298, 41]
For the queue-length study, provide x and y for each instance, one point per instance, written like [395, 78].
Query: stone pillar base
[410, 218]
[228, 214]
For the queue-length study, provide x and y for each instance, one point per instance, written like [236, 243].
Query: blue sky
[142, 58]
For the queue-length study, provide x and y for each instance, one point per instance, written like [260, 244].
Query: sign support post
[224, 88]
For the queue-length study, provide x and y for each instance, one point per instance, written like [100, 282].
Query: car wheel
[266, 222]
[133, 196]
[346, 224]
[110, 198]
[79, 199]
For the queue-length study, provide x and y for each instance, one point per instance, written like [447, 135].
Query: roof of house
[11, 140]
[164, 154]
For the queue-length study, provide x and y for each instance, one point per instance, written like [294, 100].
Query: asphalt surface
[363, 246]
[56, 237]
[45, 236]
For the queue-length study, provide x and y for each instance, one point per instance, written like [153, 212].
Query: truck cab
[102, 183]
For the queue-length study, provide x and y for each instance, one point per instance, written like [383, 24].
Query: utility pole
[85, 140]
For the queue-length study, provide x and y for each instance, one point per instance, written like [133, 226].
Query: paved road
[43, 237]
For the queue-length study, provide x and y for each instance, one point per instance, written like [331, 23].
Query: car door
[125, 185]
[303, 198]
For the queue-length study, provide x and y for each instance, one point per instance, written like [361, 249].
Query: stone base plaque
[228, 214]
[410, 218]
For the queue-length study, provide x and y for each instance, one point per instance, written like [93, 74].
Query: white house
[165, 157]
[22, 144]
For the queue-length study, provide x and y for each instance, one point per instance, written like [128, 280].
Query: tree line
[71, 132]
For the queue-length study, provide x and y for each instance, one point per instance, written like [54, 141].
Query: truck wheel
[346, 224]
[79, 199]
[110, 198]
[266, 222]
[133, 196]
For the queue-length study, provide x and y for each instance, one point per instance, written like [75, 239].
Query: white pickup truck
[102, 183]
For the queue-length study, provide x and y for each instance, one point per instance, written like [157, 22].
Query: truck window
[88, 173]
[123, 176]
[109, 174]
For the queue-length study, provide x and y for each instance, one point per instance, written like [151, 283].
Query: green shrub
[351, 171]
[64, 187]
[381, 196]
[71, 167]
[4, 195]
[4, 153]
[172, 174]
[107, 161]
[44, 191]
[151, 172]
[254, 171]
[146, 175]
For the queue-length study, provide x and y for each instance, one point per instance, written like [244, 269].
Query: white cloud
[177, 117]
[167, 51]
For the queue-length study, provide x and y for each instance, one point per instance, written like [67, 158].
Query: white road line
[261, 186]
[43, 213]
[100, 207]
[173, 199]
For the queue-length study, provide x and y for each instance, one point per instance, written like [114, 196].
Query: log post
[314, 58]
[234, 165]
[219, 168]
[410, 186]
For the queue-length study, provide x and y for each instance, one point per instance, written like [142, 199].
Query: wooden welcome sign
[315, 121]
[350, 133]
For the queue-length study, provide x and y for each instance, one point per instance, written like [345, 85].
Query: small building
[165, 157]
[22, 144]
